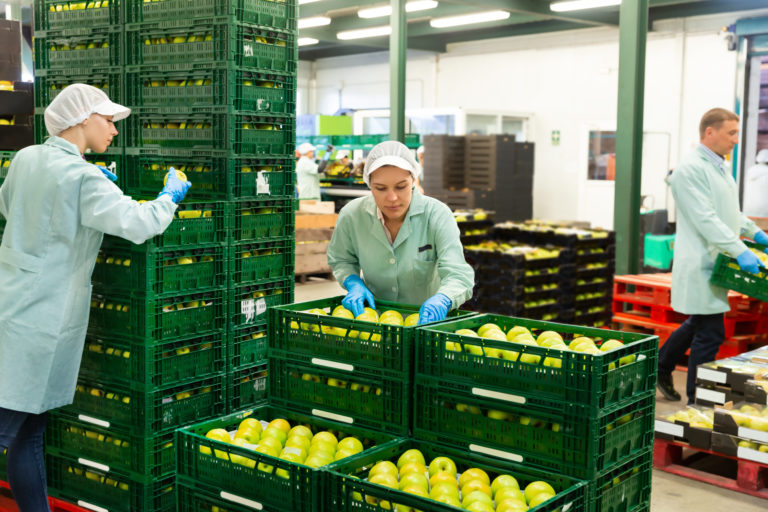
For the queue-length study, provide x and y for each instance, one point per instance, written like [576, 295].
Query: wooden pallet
[751, 477]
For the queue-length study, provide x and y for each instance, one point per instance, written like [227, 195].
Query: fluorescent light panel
[386, 10]
[306, 41]
[316, 21]
[364, 32]
[469, 19]
[577, 5]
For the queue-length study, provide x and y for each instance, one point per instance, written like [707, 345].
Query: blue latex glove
[357, 295]
[174, 187]
[749, 262]
[762, 239]
[109, 174]
[328, 152]
[435, 308]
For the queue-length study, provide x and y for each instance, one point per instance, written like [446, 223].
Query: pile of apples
[694, 417]
[389, 317]
[472, 490]
[278, 439]
[338, 383]
[519, 335]
[749, 416]
[530, 252]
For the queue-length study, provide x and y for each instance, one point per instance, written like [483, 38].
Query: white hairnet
[305, 148]
[420, 151]
[342, 153]
[75, 103]
[393, 153]
[762, 157]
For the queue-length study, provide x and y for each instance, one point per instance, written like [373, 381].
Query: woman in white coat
[57, 207]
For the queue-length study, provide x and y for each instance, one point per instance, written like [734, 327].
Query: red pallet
[7, 503]
[751, 478]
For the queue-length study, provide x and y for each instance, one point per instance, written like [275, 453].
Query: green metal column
[633, 28]
[397, 57]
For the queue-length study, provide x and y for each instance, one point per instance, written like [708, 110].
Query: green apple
[412, 489]
[610, 345]
[290, 457]
[217, 434]
[473, 474]
[336, 383]
[516, 330]
[343, 454]
[301, 430]
[550, 342]
[548, 335]
[271, 443]
[555, 362]
[476, 485]
[467, 332]
[342, 312]
[477, 506]
[385, 479]
[411, 320]
[298, 442]
[474, 497]
[266, 450]
[447, 499]
[627, 360]
[483, 328]
[540, 498]
[497, 415]
[537, 487]
[368, 315]
[511, 505]
[748, 444]
[391, 318]
[444, 489]
[276, 433]
[295, 450]
[763, 448]
[758, 423]
[251, 424]
[525, 339]
[476, 350]
[316, 461]
[248, 434]
[493, 334]
[413, 467]
[384, 467]
[412, 455]
[579, 340]
[350, 443]
[325, 448]
[414, 479]
[508, 493]
[443, 477]
[442, 464]
[504, 482]
[509, 355]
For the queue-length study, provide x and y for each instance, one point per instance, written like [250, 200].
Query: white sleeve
[104, 207]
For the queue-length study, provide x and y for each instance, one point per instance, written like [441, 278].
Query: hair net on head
[393, 153]
[305, 148]
[762, 157]
[343, 153]
[75, 103]
[420, 151]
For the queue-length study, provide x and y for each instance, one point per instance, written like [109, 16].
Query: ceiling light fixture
[386, 10]
[469, 19]
[364, 32]
[577, 5]
[317, 21]
[306, 41]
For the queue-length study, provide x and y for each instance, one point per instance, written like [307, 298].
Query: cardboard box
[312, 206]
[729, 445]
[682, 431]
[730, 420]
[756, 392]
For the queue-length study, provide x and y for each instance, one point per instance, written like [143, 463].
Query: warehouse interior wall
[569, 81]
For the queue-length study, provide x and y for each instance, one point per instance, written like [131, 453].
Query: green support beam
[633, 30]
[397, 58]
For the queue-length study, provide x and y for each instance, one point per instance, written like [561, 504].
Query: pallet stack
[178, 324]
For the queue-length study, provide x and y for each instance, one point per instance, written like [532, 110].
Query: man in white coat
[708, 222]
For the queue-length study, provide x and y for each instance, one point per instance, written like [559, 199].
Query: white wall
[569, 81]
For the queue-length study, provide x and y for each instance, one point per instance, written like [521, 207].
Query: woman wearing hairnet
[406, 245]
[57, 207]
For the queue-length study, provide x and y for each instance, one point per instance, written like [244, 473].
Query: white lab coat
[756, 191]
[307, 178]
[57, 206]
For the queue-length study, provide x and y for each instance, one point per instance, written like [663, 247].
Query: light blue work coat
[57, 206]
[307, 178]
[426, 257]
[709, 222]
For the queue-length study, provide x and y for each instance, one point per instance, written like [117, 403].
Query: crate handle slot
[515, 399]
[333, 364]
[331, 416]
[88, 419]
[242, 501]
[496, 453]
[95, 465]
[90, 506]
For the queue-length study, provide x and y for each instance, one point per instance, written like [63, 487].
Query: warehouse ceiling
[525, 17]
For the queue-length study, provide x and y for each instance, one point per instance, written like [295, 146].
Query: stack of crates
[586, 415]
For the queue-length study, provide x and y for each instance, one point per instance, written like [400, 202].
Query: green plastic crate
[192, 496]
[157, 318]
[381, 346]
[623, 488]
[131, 269]
[267, 13]
[244, 133]
[258, 220]
[5, 163]
[115, 149]
[594, 380]
[154, 365]
[254, 476]
[214, 174]
[247, 347]
[246, 387]
[370, 398]
[91, 487]
[555, 436]
[138, 457]
[79, 51]
[67, 15]
[215, 40]
[349, 489]
[658, 251]
[254, 262]
[220, 84]
[728, 274]
[248, 304]
[148, 413]
[50, 82]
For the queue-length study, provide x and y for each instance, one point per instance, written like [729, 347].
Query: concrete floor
[671, 493]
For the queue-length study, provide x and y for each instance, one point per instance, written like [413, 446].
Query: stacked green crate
[586, 414]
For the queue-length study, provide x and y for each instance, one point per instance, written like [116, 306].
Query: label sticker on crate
[262, 183]
[671, 429]
[712, 375]
[261, 306]
[247, 308]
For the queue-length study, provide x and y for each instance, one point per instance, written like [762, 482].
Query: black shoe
[666, 387]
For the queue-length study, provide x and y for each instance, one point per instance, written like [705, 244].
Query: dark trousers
[703, 334]
[22, 434]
